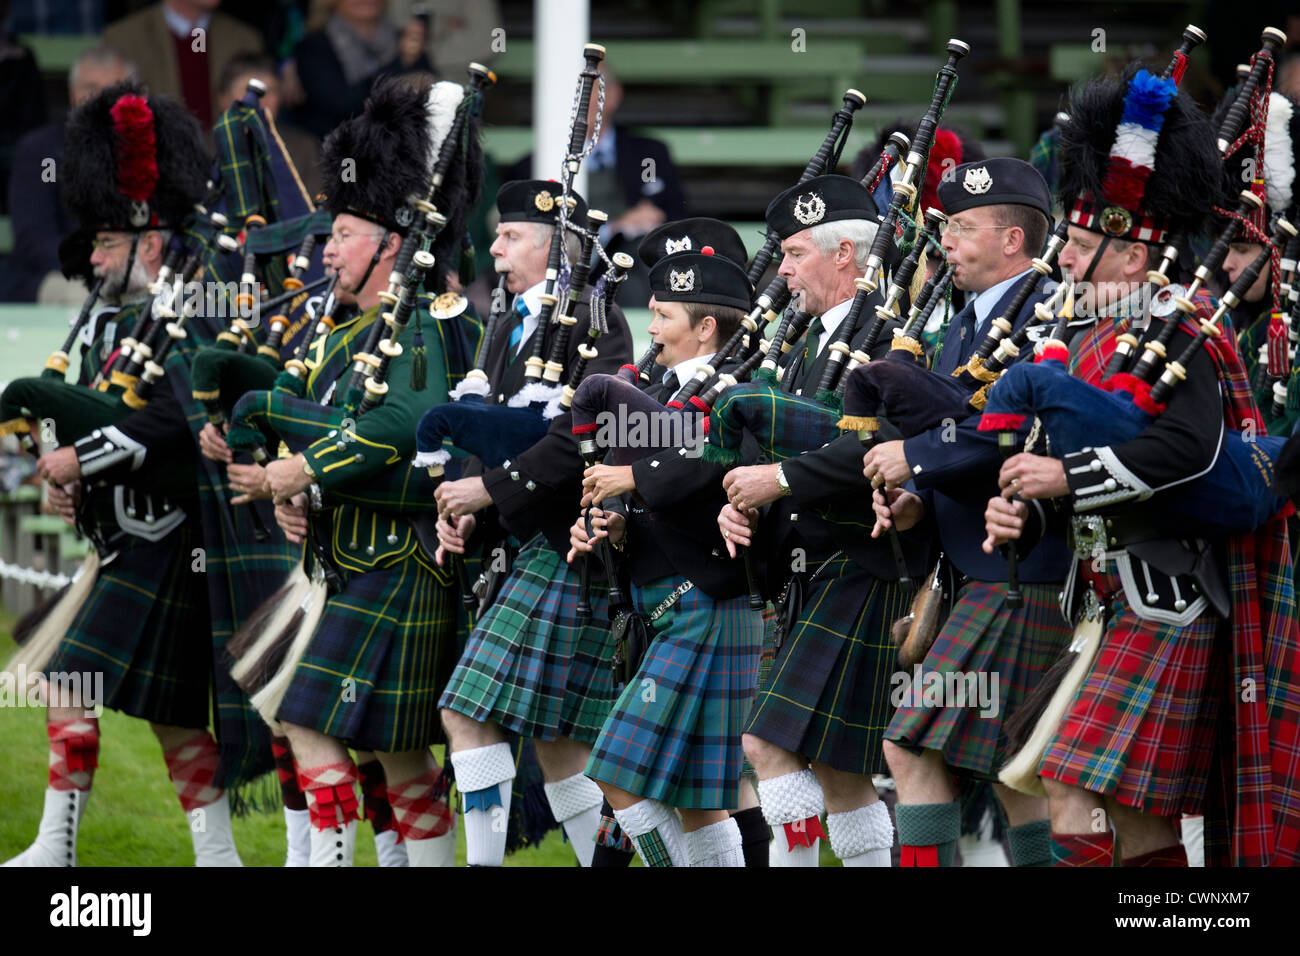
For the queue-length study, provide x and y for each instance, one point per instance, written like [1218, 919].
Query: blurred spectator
[460, 32]
[40, 217]
[301, 145]
[337, 64]
[1286, 75]
[174, 59]
[84, 17]
[632, 178]
[22, 98]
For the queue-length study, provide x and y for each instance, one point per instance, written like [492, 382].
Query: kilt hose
[531, 664]
[1141, 728]
[383, 648]
[145, 627]
[828, 694]
[981, 637]
[674, 733]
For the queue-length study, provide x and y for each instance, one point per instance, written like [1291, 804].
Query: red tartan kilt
[1141, 728]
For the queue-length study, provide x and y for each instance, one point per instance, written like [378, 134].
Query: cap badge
[977, 181]
[809, 209]
[544, 201]
[1116, 221]
[681, 281]
[403, 216]
[677, 245]
[139, 213]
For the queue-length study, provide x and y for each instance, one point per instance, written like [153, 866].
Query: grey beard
[120, 292]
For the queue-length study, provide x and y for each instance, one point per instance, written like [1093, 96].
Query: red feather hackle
[945, 154]
[135, 147]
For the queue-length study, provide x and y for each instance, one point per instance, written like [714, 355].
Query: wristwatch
[781, 482]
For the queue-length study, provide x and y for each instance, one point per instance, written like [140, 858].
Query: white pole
[561, 30]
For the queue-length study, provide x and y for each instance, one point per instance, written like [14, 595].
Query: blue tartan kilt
[384, 646]
[674, 734]
[145, 627]
[827, 696]
[532, 665]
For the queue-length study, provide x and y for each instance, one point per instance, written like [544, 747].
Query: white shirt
[986, 300]
[831, 320]
[685, 371]
[181, 27]
[533, 302]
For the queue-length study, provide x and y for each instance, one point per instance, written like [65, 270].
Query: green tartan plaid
[532, 665]
[680, 744]
[653, 851]
[828, 695]
[379, 656]
[982, 637]
[137, 628]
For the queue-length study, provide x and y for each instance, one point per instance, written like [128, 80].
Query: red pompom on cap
[706, 251]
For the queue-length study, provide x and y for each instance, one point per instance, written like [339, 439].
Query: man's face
[1079, 251]
[1240, 255]
[520, 250]
[808, 272]
[670, 326]
[91, 78]
[108, 256]
[270, 101]
[351, 246]
[974, 241]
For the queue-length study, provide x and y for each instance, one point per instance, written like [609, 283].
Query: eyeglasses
[955, 229]
[104, 245]
[340, 238]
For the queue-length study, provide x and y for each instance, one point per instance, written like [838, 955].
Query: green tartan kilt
[674, 734]
[148, 636]
[982, 638]
[382, 649]
[532, 665]
[828, 694]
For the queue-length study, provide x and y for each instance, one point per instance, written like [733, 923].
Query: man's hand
[899, 507]
[737, 527]
[1004, 520]
[604, 524]
[286, 478]
[291, 516]
[456, 499]
[452, 536]
[885, 464]
[63, 501]
[607, 481]
[1033, 477]
[751, 486]
[212, 444]
[59, 467]
[251, 483]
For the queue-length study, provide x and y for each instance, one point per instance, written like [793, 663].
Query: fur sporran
[914, 635]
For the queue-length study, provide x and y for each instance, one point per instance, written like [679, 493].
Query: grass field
[133, 817]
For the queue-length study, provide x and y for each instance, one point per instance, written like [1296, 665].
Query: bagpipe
[1076, 414]
[269, 645]
[495, 433]
[786, 425]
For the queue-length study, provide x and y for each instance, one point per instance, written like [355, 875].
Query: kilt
[145, 627]
[681, 746]
[381, 651]
[1141, 728]
[982, 638]
[828, 695]
[531, 664]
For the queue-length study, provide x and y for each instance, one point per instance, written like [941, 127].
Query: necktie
[517, 331]
[965, 321]
[811, 341]
[669, 385]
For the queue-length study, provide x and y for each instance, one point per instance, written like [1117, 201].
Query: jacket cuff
[1097, 478]
[339, 459]
[106, 447]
